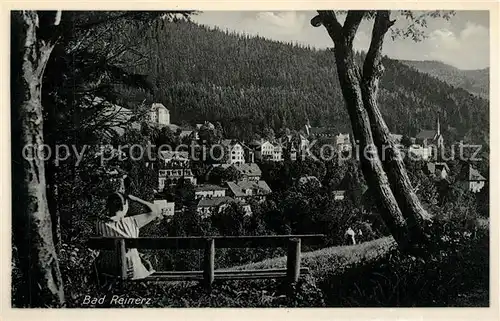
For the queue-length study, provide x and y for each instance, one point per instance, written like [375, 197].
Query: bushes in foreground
[455, 272]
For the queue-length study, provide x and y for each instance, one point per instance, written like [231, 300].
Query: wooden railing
[208, 273]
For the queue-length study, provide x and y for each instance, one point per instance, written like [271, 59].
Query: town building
[159, 114]
[420, 151]
[193, 134]
[433, 138]
[206, 124]
[175, 168]
[244, 189]
[343, 142]
[249, 171]
[438, 170]
[173, 176]
[317, 132]
[304, 180]
[269, 151]
[175, 158]
[167, 209]
[471, 179]
[209, 191]
[233, 151]
[396, 138]
[209, 206]
[339, 195]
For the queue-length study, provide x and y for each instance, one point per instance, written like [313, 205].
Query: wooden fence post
[121, 257]
[209, 264]
[293, 260]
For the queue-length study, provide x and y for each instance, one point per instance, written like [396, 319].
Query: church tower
[438, 133]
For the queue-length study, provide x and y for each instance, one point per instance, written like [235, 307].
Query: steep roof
[156, 106]
[474, 175]
[308, 179]
[170, 155]
[426, 134]
[215, 201]
[246, 169]
[258, 188]
[229, 142]
[397, 137]
[185, 133]
[208, 187]
[322, 131]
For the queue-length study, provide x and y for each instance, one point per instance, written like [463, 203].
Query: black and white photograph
[250, 159]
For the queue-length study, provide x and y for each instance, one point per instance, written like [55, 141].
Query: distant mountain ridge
[474, 81]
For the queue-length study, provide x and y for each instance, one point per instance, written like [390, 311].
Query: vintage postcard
[189, 157]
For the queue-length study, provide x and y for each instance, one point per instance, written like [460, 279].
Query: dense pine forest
[250, 83]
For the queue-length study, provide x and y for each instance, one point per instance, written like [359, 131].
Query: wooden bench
[208, 274]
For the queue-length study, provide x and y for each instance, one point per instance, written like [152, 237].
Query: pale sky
[463, 41]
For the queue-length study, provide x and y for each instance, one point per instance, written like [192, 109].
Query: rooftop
[155, 106]
[258, 188]
[215, 201]
[426, 134]
[208, 187]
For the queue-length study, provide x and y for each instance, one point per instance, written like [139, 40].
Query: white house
[269, 151]
[473, 180]
[172, 176]
[166, 208]
[159, 114]
[235, 154]
[264, 150]
[431, 137]
[241, 190]
[209, 206]
[343, 142]
[209, 191]
[249, 171]
[174, 157]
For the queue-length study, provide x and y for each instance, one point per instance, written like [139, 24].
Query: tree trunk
[349, 78]
[406, 197]
[53, 203]
[402, 210]
[32, 229]
[371, 166]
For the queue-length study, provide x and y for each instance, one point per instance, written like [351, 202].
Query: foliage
[455, 273]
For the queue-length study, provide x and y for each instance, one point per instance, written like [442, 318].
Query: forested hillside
[249, 83]
[474, 81]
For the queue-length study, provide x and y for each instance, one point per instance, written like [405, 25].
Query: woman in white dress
[120, 225]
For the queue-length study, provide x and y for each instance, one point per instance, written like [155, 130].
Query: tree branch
[372, 67]
[351, 24]
[330, 21]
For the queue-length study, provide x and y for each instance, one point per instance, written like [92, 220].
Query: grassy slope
[333, 260]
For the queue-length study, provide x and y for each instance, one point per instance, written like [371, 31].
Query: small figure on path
[350, 232]
[117, 224]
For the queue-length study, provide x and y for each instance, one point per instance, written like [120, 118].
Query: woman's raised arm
[145, 218]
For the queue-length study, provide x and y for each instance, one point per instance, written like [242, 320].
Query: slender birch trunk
[32, 228]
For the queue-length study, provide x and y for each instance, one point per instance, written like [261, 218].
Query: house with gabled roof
[159, 114]
[234, 152]
[438, 170]
[430, 137]
[208, 206]
[241, 190]
[472, 179]
[214, 205]
[209, 191]
[249, 171]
